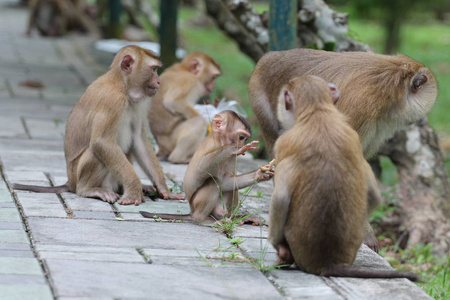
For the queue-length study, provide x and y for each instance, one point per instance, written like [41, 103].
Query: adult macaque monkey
[319, 204]
[210, 183]
[106, 130]
[380, 94]
[176, 125]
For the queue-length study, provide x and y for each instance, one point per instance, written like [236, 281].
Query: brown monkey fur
[106, 130]
[210, 184]
[380, 94]
[319, 204]
[177, 127]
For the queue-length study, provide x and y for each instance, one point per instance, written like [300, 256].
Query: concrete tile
[41, 204]
[78, 203]
[163, 206]
[22, 279]
[124, 234]
[20, 266]
[96, 215]
[31, 146]
[27, 176]
[25, 291]
[142, 280]
[12, 127]
[45, 129]
[13, 236]
[9, 225]
[34, 161]
[10, 215]
[16, 253]
[5, 195]
[4, 245]
[120, 255]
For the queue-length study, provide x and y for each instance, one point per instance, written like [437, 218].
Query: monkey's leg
[164, 147]
[205, 202]
[91, 177]
[189, 135]
[279, 205]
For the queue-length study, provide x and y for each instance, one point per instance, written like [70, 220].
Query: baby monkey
[322, 186]
[210, 183]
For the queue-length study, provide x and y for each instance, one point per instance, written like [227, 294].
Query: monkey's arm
[231, 183]
[178, 101]
[147, 160]
[373, 200]
[373, 194]
[279, 207]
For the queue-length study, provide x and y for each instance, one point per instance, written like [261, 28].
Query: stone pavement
[68, 247]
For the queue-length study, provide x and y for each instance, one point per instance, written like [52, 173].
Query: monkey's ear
[218, 123]
[195, 66]
[288, 100]
[127, 63]
[335, 94]
[418, 81]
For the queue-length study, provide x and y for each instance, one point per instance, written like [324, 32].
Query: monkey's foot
[253, 220]
[169, 195]
[285, 256]
[371, 241]
[128, 200]
[102, 194]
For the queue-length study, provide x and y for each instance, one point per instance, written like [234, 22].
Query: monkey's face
[240, 136]
[151, 81]
[208, 79]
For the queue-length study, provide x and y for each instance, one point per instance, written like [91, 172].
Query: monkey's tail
[147, 214]
[345, 271]
[41, 189]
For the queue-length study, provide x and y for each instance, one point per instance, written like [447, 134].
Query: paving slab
[13, 236]
[10, 215]
[144, 281]
[25, 291]
[123, 234]
[41, 205]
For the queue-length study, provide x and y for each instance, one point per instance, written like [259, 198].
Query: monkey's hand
[250, 146]
[262, 175]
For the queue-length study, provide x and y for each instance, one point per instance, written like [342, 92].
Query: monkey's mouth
[151, 90]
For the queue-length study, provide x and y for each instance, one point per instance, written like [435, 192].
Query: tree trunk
[423, 189]
[282, 25]
[168, 32]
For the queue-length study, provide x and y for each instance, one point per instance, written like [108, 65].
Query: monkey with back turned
[319, 204]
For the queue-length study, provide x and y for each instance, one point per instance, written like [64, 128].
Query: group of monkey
[322, 115]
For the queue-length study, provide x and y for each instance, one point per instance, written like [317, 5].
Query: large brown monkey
[380, 94]
[176, 125]
[210, 183]
[106, 130]
[319, 204]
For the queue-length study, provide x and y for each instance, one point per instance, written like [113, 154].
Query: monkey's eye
[155, 68]
[242, 137]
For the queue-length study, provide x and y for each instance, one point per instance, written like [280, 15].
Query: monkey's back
[327, 213]
[161, 120]
[370, 85]
[94, 107]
